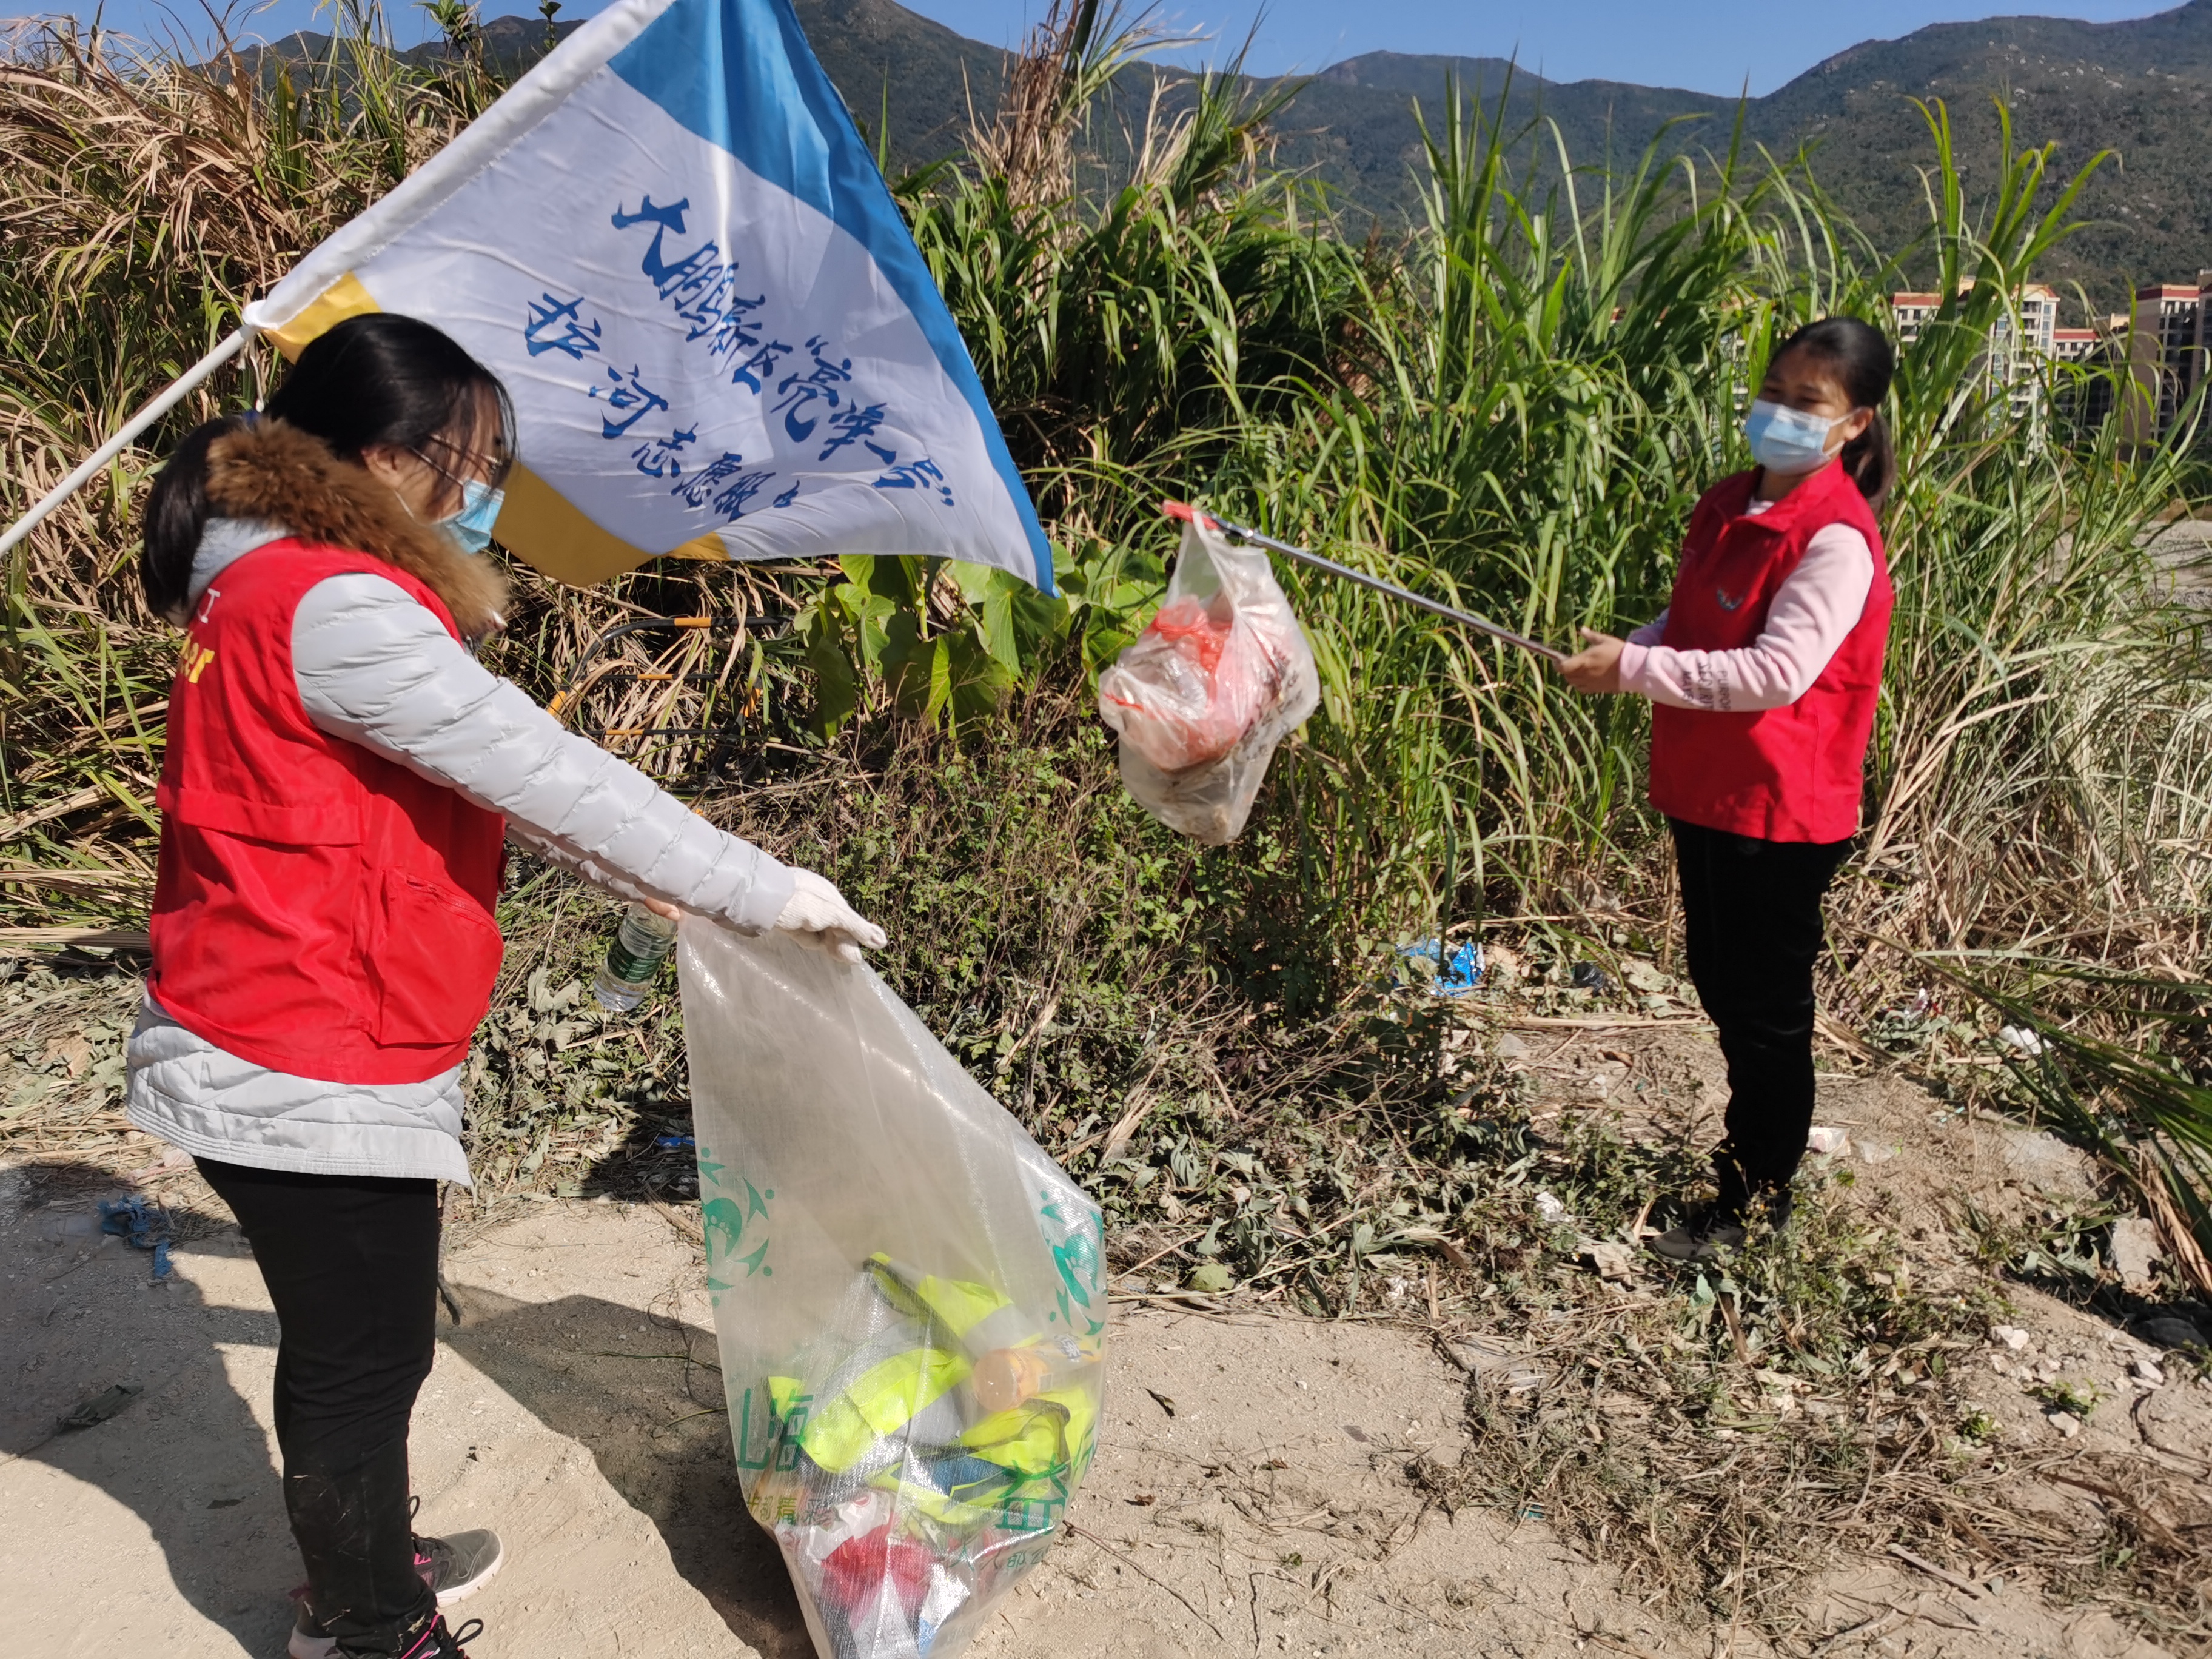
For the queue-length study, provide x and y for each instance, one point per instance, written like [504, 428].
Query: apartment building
[2164, 342]
[2015, 358]
[1912, 312]
[2086, 404]
[2166, 346]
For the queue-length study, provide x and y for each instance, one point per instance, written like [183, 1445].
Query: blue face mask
[471, 526]
[1788, 441]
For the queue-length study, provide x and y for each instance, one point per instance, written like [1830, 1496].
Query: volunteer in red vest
[1763, 673]
[340, 779]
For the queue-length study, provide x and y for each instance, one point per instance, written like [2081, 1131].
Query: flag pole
[178, 391]
[1238, 532]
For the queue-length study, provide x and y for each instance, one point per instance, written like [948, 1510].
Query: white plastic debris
[2021, 1041]
[1825, 1139]
[1496, 1364]
[2011, 1335]
[1608, 1258]
[2134, 1253]
[1552, 1209]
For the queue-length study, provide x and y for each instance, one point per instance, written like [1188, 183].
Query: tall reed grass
[145, 201]
[1512, 403]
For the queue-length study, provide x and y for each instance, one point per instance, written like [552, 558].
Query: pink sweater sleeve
[1819, 603]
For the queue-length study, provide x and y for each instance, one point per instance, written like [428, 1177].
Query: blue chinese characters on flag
[671, 244]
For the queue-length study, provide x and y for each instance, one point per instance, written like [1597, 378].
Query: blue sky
[1709, 45]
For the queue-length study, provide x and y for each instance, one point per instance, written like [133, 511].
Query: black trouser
[1752, 911]
[351, 1263]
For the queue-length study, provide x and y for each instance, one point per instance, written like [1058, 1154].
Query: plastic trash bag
[1202, 696]
[910, 1298]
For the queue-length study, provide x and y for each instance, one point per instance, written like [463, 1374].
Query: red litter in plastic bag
[1196, 680]
[858, 1566]
[1202, 696]
[1188, 626]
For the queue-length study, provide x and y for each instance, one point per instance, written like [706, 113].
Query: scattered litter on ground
[1493, 1364]
[2135, 1253]
[1609, 1257]
[1449, 974]
[141, 1225]
[1603, 1400]
[102, 1406]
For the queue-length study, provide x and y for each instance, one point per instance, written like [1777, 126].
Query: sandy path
[1273, 1504]
[1265, 1516]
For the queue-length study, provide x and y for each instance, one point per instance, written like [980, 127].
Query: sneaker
[1723, 1231]
[435, 1643]
[454, 1568]
[458, 1566]
[1709, 1240]
[439, 1642]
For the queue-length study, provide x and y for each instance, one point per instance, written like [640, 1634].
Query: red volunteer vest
[318, 910]
[1796, 773]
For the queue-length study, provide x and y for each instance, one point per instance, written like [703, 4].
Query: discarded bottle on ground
[640, 946]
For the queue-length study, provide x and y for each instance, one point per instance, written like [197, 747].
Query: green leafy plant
[2118, 1064]
[2079, 1398]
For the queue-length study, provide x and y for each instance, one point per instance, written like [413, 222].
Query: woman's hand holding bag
[816, 914]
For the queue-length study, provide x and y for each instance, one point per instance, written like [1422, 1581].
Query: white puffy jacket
[377, 668]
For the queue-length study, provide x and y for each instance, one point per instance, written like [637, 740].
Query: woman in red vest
[1763, 672]
[340, 778]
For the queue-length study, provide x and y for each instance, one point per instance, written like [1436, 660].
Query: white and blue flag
[670, 242]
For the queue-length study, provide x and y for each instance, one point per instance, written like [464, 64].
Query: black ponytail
[176, 514]
[373, 380]
[1864, 363]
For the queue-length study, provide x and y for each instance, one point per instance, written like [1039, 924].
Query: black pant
[351, 1263]
[1752, 910]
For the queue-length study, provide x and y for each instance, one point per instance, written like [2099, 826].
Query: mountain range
[2141, 89]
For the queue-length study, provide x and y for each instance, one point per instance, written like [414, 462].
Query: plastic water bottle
[640, 946]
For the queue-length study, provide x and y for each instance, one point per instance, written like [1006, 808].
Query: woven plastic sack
[1219, 676]
[909, 1295]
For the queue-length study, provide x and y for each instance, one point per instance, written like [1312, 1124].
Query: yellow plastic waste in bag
[880, 1402]
[911, 1298]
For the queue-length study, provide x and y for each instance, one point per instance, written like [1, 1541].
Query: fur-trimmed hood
[279, 475]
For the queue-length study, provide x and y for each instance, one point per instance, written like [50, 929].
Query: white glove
[817, 915]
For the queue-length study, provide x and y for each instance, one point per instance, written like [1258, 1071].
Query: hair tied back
[1864, 363]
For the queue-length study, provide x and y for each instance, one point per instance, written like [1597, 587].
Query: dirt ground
[1249, 1496]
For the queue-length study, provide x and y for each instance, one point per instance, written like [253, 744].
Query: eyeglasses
[490, 471]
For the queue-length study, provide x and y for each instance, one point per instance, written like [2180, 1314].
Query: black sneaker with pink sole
[455, 1568]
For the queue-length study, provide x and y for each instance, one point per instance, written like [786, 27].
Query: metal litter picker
[1243, 535]
[1222, 673]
